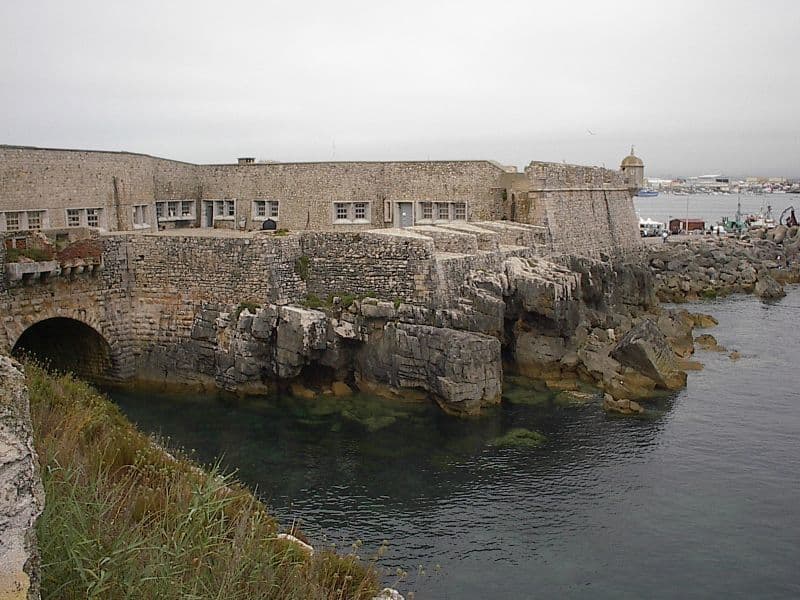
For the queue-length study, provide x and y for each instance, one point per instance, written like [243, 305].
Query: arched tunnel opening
[67, 345]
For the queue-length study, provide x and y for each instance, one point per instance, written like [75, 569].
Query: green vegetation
[124, 519]
[313, 301]
[709, 293]
[249, 305]
[301, 267]
[281, 232]
[35, 254]
[345, 299]
[520, 438]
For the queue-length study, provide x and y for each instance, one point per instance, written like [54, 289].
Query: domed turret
[633, 170]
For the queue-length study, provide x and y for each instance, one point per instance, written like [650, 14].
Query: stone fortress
[386, 276]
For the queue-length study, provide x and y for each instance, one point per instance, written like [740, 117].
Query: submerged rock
[623, 407]
[709, 342]
[520, 438]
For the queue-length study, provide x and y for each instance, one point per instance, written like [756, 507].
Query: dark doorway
[67, 345]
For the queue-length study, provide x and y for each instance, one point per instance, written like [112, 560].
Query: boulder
[623, 407]
[768, 289]
[709, 342]
[462, 371]
[645, 349]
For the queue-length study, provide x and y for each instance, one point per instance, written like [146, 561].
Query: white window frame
[431, 211]
[18, 217]
[83, 217]
[173, 210]
[141, 221]
[42, 219]
[350, 207]
[271, 210]
[223, 209]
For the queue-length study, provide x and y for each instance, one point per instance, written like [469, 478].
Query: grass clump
[251, 306]
[520, 438]
[301, 267]
[35, 254]
[124, 519]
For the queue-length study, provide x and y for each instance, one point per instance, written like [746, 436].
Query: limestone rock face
[461, 370]
[645, 349]
[301, 332]
[21, 493]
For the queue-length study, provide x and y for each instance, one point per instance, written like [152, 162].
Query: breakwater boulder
[707, 267]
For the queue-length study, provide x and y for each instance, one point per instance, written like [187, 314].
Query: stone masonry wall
[306, 191]
[390, 266]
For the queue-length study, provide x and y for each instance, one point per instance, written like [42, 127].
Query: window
[224, 209]
[12, 221]
[174, 210]
[74, 217]
[35, 219]
[351, 212]
[93, 217]
[435, 212]
[265, 209]
[140, 216]
[342, 212]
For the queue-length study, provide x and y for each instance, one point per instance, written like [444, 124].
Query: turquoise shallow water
[700, 499]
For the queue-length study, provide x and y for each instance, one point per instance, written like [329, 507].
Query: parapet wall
[388, 266]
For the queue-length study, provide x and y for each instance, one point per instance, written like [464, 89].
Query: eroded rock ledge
[565, 320]
[21, 493]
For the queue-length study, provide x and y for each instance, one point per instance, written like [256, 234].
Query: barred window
[459, 211]
[427, 210]
[359, 211]
[35, 219]
[342, 212]
[187, 208]
[12, 221]
[93, 217]
[442, 211]
[172, 209]
[265, 209]
[160, 209]
[73, 217]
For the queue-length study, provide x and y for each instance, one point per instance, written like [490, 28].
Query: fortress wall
[388, 266]
[172, 276]
[34, 178]
[550, 174]
[588, 222]
[175, 180]
[307, 191]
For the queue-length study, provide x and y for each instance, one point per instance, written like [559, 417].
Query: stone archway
[66, 344]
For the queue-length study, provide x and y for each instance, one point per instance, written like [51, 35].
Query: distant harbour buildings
[718, 183]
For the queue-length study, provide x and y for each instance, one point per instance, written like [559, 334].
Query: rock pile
[707, 267]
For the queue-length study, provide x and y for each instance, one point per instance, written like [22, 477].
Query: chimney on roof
[246, 160]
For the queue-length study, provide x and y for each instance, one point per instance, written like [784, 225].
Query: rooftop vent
[246, 160]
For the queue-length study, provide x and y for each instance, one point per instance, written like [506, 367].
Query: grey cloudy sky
[696, 86]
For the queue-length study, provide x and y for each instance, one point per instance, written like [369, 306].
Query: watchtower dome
[633, 170]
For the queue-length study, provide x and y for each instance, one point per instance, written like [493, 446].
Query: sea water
[699, 498]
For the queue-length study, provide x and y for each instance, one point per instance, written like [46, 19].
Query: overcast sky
[697, 86]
